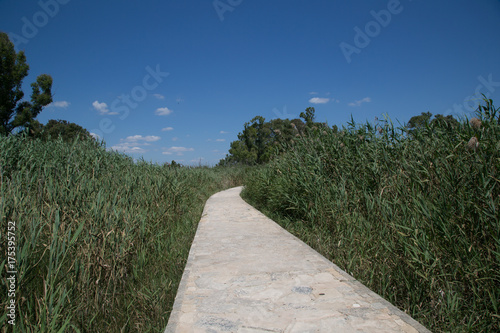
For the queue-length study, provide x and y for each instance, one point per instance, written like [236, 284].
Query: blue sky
[176, 80]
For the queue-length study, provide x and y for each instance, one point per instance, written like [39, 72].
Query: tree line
[261, 140]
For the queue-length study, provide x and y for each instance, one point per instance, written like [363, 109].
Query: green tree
[260, 140]
[252, 145]
[420, 121]
[14, 112]
[308, 116]
[55, 128]
[423, 120]
[445, 122]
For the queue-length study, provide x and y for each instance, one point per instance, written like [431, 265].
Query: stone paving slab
[247, 274]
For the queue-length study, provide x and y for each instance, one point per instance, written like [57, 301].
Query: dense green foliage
[261, 140]
[413, 217]
[54, 128]
[424, 120]
[101, 241]
[14, 112]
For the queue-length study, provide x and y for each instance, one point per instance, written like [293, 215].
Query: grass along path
[101, 241]
[414, 216]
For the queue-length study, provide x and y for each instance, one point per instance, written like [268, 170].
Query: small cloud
[103, 108]
[319, 100]
[95, 136]
[167, 129]
[127, 147]
[361, 101]
[220, 140]
[179, 100]
[59, 104]
[159, 96]
[149, 138]
[132, 144]
[223, 132]
[313, 93]
[180, 149]
[177, 150]
[163, 111]
[215, 151]
[175, 139]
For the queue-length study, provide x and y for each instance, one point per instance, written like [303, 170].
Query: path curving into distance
[247, 274]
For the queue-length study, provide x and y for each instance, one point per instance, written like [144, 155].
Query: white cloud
[177, 150]
[59, 104]
[180, 149]
[128, 147]
[95, 136]
[313, 93]
[319, 100]
[132, 144]
[135, 138]
[223, 132]
[163, 111]
[166, 129]
[361, 101]
[220, 140]
[159, 96]
[103, 108]
[175, 139]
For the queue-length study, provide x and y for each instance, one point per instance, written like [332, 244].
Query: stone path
[247, 274]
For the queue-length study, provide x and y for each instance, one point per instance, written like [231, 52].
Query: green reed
[412, 215]
[101, 241]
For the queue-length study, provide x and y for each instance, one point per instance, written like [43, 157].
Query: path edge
[181, 290]
[358, 286]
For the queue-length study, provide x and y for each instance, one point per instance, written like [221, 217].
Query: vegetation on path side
[101, 241]
[413, 213]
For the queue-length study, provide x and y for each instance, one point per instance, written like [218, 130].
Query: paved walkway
[247, 274]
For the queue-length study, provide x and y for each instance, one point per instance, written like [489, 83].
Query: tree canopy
[60, 128]
[260, 140]
[14, 112]
[425, 120]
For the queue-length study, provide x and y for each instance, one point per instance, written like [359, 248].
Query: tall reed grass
[412, 215]
[101, 241]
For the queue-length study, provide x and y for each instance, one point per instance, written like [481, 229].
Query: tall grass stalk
[414, 215]
[101, 241]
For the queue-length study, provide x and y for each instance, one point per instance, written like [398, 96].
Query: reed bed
[101, 240]
[414, 215]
